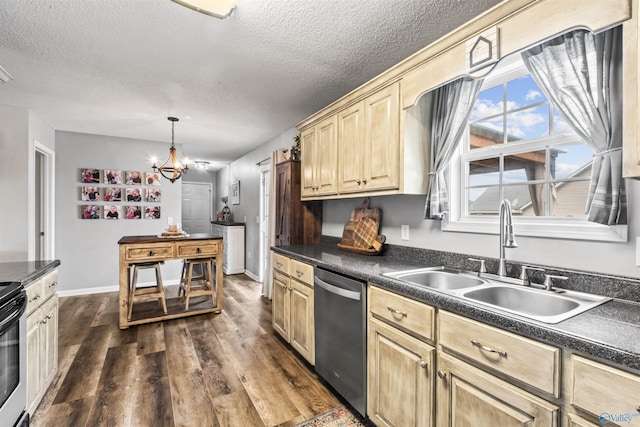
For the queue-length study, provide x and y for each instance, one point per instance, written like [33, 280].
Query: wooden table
[134, 249]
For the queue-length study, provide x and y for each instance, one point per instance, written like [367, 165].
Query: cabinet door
[280, 304]
[326, 162]
[382, 140]
[470, 397]
[308, 152]
[49, 341]
[283, 204]
[400, 374]
[33, 359]
[302, 324]
[350, 148]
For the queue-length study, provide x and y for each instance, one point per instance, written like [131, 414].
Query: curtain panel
[581, 74]
[452, 104]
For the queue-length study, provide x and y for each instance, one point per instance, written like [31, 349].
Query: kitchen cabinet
[369, 143]
[401, 367]
[319, 147]
[292, 304]
[233, 246]
[297, 222]
[603, 390]
[468, 396]
[42, 337]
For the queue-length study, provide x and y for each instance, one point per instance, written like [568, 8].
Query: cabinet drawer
[302, 272]
[198, 249]
[50, 284]
[529, 361]
[35, 295]
[599, 388]
[149, 252]
[413, 316]
[281, 263]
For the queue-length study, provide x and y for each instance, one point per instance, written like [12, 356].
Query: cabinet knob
[364, 181]
[150, 253]
[358, 181]
[198, 250]
[299, 273]
[442, 375]
[423, 364]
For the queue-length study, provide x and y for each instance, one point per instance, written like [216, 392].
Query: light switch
[404, 232]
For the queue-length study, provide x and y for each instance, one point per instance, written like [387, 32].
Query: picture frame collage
[112, 194]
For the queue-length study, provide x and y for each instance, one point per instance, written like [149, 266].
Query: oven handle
[16, 312]
[336, 290]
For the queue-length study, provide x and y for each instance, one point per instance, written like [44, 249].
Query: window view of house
[521, 149]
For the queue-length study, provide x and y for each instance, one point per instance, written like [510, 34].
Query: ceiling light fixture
[216, 8]
[172, 166]
[4, 76]
[202, 164]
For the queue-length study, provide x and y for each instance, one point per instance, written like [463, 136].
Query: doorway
[42, 234]
[197, 207]
[265, 189]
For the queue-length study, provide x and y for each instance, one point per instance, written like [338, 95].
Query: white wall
[88, 249]
[605, 258]
[247, 172]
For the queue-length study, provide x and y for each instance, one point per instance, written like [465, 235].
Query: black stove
[9, 291]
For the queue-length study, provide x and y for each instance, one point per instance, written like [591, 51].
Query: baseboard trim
[105, 289]
[253, 276]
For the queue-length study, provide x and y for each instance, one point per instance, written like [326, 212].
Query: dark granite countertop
[227, 223]
[25, 271]
[610, 332]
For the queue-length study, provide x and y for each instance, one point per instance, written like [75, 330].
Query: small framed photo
[134, 195]
[152, 195]
[90, 194]
[112, 212]
[90, 176]
[235, 193]
[133, 178]
[112, 194]
[133, 212]
[112, 177]
[152, 212]
[153, 179]
[90, 212]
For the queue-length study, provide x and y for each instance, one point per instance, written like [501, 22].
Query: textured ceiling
[120, 67]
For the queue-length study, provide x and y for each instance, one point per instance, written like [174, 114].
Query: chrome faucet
[507, 238]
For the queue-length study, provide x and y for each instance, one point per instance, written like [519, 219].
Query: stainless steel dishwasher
[340, 334]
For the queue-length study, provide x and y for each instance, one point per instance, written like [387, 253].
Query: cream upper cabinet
[467, 396]
[369, 143]
[319, 159]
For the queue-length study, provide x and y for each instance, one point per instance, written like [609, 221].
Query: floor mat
[341, 416]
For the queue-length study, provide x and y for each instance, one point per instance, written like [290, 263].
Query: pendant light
[171, 169]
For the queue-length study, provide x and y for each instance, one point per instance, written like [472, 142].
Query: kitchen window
[518, 147]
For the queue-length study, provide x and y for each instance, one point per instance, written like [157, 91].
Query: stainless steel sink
[438, 278]
[544, 306]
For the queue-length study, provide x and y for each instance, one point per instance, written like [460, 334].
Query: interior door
[196, 207]
[265, 190]
[41, 226]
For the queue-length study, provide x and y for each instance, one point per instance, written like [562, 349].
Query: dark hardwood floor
[227, 369]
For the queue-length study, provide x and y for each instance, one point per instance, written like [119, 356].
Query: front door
[196, 207]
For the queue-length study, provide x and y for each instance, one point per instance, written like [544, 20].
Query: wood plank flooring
[227, 369]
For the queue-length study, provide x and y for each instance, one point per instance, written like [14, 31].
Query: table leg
[219, 280]
[123, 294]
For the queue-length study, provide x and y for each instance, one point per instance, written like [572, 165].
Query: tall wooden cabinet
[297, 222]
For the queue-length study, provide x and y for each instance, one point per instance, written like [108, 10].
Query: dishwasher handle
[337, 290]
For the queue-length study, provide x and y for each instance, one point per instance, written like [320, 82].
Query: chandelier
[171, 169]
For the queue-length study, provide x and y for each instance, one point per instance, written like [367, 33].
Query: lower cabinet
[400, 377]
[292, 304]
[42, 338]
[468, 396]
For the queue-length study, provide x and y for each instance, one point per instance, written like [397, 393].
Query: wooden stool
[147, 292]
[196, 286]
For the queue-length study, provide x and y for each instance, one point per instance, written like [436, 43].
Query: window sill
[569, 229]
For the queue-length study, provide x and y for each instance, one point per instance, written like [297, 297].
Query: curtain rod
[262, 161]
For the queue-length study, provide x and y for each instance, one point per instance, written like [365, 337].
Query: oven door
[13, 359]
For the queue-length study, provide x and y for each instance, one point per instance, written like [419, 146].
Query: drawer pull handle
[53, 284]
[198, 250]
[150, 253]
[394, 311]
[299, 273]
[423, 364]
[638, 408]
[442, 375]
[279, 264]
[489, 349]
[34, 298]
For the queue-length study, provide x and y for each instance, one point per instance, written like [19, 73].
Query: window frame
[457, 220]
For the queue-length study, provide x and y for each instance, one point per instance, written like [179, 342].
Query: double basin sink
[541, 305]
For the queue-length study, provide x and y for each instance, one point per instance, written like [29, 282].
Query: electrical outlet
[404, 232]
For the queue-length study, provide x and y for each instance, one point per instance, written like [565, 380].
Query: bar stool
[194, 285]
[146, 292]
